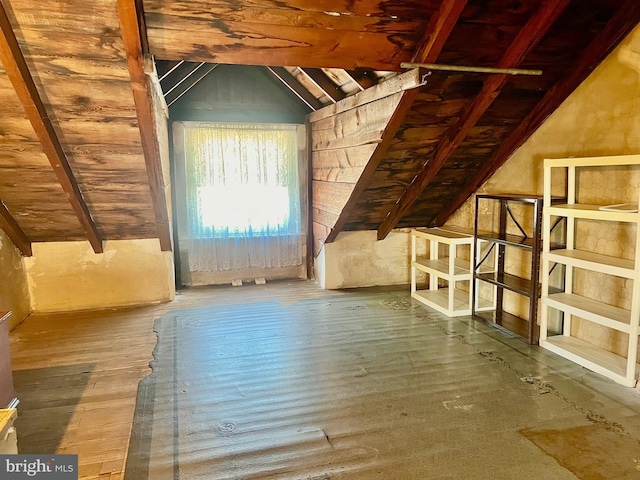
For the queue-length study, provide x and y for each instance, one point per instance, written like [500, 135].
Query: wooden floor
[77, 376]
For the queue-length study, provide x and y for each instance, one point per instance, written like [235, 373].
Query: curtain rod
[463, 68]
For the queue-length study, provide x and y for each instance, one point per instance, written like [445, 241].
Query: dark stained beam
[296, 87]
[13, 231]
[621, 25]
[324, 83]
[524, 42]
[20, 77]
[128, 11]
[438, 30]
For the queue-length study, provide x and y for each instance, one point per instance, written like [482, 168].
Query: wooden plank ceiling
[389, 149]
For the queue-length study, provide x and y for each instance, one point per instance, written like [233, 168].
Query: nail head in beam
[13, 231]
[471, 69]
[20, 77]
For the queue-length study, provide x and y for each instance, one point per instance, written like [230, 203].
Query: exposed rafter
[132, 35]
[170, 68]
[20, 77]
[602, 45]
[296, 87]
[438, 30]
[189, 82]
[362, 78]
[524, 42]
[14, 232]
[324, 83]
[180, 75]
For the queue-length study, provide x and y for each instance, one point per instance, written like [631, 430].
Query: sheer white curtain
[243, 196]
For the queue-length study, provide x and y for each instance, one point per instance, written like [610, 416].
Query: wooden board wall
[344, 138]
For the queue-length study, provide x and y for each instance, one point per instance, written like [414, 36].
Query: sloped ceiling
[96, 176]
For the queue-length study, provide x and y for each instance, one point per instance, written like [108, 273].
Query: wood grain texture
[13, 231]
[130, 26]
[84, 83]
[18, 72]
[371, 34]
[524, 42]
[616, 29]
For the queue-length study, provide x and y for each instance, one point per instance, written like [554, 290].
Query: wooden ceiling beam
[283, 75]
[13, 231]
[438, 30]
[173, 96]
[621, 25]
[361, 78]
[130, 14]
[324, 83]
[18, 72]
[525, 41]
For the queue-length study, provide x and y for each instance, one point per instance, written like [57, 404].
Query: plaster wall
[14, 290]
[70, 276]
[357, 259]
[599, 118]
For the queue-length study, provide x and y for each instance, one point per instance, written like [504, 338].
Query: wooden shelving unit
[449, 299]
[568, 304]
[501, 240]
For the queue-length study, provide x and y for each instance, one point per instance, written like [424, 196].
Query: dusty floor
[289, 381]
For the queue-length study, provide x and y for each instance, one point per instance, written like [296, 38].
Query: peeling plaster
[70, 276]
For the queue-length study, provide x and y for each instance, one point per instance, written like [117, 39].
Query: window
[242, 191]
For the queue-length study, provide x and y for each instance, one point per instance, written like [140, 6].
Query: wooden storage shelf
[622, 369]
[590, 356]
[592, 310]
[591, 212]
[450, 300]
[441, 265]
[596, 262]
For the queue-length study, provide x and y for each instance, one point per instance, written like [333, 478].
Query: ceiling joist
[130, 18]
[324, 83]
[26, 90]
[362, 79]
[429, 48]
[14, 232]
[524, 42]
[189, 82]
[602, 45]
[296, 87]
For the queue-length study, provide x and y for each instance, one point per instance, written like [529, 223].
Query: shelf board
[439, 300]
[592, 310]
[441, 235]
[507, 321]
[607, 160]
[507, 239]
[594, 261]
[590, 212]
[514, 283]
[440, 267]
[592, 357]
